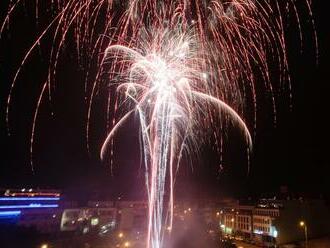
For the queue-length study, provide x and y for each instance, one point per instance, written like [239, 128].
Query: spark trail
[176, 65]
[163, 84]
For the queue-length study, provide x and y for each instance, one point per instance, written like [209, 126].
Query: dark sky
[293, 153]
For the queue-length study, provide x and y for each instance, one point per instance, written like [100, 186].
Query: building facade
[273, 222]
[30, 208]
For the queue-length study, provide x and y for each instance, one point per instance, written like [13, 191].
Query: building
[264, 215]
[273, 222]
[86, 219]
[243, 221]
[132, 216]
[38, 209]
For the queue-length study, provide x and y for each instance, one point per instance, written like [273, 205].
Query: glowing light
[29, 198]
[176, 74]
[8, 214]
[32, 205]
[228, 230]
[32, 194]
[94, 221]
[258, 232]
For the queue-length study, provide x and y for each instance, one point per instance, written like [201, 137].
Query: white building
[82, 219]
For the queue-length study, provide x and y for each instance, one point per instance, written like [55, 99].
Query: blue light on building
[273, 232]
[29, 198]
[32, 205]
[9, 214]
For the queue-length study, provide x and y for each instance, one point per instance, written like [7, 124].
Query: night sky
[294, 152]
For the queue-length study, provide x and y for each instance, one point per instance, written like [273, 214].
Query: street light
[304, 225]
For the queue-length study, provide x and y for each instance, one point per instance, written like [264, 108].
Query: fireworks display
[176, 65]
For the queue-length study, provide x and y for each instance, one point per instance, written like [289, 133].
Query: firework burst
[176, 65]
[166, 87]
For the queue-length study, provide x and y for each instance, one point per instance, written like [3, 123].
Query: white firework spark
[165, 87]
[175, 64]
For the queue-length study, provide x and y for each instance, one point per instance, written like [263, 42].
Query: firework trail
[162, 83]
[176, 65]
